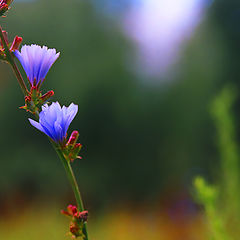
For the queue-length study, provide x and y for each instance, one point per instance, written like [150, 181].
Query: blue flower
[54, 120]
[36, 62]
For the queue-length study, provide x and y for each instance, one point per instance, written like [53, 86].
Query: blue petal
[21, 58]
[36, 61]
[47, 62]
[59, 132]
[71, 113]
[37, 125]
[54, 120]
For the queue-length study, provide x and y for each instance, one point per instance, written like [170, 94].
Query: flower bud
[75, 230]
[16, 43]
[72, 209]
[77, 220]
[73, 138]
[46, 96]
[83, 215]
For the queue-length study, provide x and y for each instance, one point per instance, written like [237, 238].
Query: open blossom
[36, 61]
[54, 120]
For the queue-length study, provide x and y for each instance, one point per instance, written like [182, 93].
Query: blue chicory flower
[54, 120]
[36, 61]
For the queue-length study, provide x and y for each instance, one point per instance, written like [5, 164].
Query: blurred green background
[143, 139]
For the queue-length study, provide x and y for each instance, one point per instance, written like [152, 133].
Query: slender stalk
[73, 182]
[71, 178]
[65, 162]
[10, 59]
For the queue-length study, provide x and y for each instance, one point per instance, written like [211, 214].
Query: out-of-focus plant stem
[10, 59]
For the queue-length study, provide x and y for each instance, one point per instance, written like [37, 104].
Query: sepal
[75, 151]
[28, 106]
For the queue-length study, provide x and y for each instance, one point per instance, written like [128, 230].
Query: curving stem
[10, 59]
[73, 182]
[65, 162]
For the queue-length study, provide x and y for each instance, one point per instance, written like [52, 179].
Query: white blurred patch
[160, 28]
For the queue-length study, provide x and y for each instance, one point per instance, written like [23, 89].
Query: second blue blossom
[54, 120]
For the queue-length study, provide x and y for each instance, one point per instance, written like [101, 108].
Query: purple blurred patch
[160, 28]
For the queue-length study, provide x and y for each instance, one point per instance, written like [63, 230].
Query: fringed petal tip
[54, 120]
[36, 61]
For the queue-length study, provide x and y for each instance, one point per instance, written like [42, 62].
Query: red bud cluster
[71, 210]
[3, 6]
[72, 148]
[12, 47]
[35, 99]
[77, 220]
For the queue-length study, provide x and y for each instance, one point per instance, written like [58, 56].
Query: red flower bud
[75, 230]
[46, 96]
[72, 209]
[83, 215]
[77, 220]
[27, 99]
[73, 138]
[16, 43]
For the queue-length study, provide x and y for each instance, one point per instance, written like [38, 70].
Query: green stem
[73, 182]
[10, 59]
[65, 162]
[71, 178]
